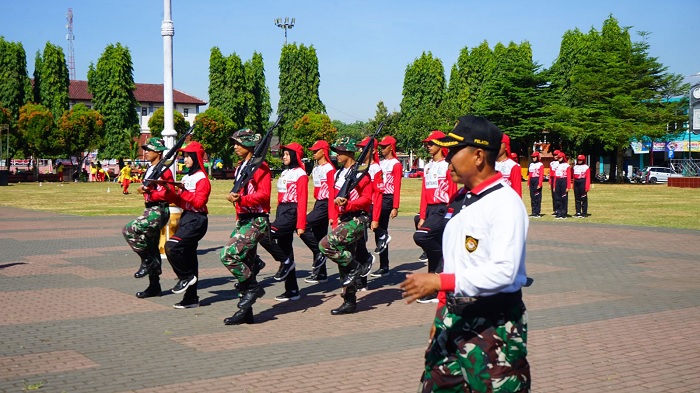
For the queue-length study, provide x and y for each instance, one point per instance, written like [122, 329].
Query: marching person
[181, 249]
[510, 169]
[252, 225]
[552, 175]
[436, 191]
[562, 185]
[535, 176]
[143, 233]
[392, 172]
[292, 196]
[374, 171]
[582, 183]
[349, 216]
[323, 176]
[478, 341]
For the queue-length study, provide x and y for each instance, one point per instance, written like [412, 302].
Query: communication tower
[70, 37]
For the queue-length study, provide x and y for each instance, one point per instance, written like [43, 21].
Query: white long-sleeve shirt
[484, 243]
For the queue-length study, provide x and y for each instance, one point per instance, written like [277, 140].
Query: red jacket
[255, 198]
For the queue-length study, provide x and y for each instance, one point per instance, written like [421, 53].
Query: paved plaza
[612, 309]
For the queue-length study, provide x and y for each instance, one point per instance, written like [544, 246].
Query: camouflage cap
[154, 144]
[246, 137]
[345, 144]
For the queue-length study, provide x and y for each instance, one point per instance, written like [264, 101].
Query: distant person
[552, 176]
[535, 176]
[509, 168]
[582, 184]
[59, 170]
[93, 172]
[125, 178]
[562, 185]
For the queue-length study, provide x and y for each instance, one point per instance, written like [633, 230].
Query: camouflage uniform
[239, 254]
[485, 353]
[339, 244]
[143, 233]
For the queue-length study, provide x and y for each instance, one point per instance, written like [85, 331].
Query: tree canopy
[156, 124]
[111, 83]
[299, 82]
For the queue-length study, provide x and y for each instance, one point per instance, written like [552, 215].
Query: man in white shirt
[479, 336]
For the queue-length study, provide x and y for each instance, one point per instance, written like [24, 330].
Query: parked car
[415, 172]
[654, 174]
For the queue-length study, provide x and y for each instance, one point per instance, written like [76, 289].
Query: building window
[186, 112]
[144, 111]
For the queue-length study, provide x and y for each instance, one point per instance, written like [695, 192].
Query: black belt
[248, 216]
[154, 204]
[482, 305]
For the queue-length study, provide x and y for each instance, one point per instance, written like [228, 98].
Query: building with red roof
[150, 98]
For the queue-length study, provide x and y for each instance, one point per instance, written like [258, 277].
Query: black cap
[474, 131]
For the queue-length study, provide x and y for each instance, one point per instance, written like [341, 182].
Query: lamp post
[285, 24]
[167, 30]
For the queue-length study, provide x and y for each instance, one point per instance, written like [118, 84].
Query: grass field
[629, 204]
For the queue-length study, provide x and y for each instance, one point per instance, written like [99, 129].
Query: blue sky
[363, 46]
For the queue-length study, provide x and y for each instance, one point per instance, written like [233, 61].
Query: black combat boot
[241, 316]
[349, 306]
[153, 289]
[150, 263]
[251, 292]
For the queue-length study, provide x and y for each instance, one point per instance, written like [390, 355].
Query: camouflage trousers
[239, 254]
[338, 244]
[143, 233]
[484, 354]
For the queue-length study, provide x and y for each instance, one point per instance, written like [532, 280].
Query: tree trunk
[620, 156]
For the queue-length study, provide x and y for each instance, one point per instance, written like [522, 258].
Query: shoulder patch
[471, 244]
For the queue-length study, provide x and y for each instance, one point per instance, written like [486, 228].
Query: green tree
[111, 84]
[217, 79]
[512, 98]
[356, 130]
[299, 83]
[423, 93]
[391, 121]
[236, 95]
[615, 91]
[54, 80]
[14, 82]
[80, 130]
[36, 127]
[156, 124]
[259, 107]
[213, 129]
[313, 127]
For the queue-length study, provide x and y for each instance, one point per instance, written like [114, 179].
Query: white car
[654, 174]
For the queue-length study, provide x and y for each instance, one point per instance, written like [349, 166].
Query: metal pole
[167, 30]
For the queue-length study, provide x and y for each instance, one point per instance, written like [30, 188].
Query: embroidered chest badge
[471, 244]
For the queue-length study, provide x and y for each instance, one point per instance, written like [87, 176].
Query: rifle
[167, 160]
[258, 157]
[359, 169]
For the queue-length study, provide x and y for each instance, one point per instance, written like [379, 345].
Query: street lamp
[286, 24]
